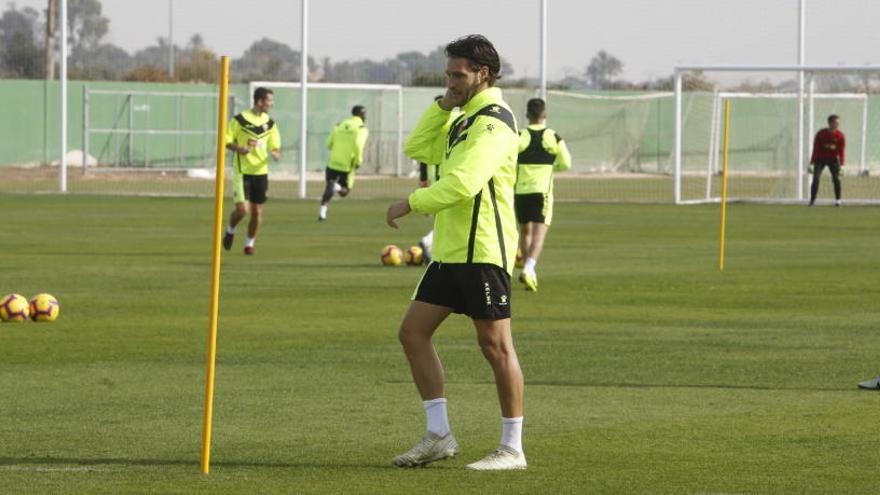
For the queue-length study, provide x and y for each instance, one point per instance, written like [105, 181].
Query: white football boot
[503, 459]
[872, 384]
[430, 448]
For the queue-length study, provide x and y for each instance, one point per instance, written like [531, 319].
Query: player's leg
[330, 186]
[240, 210]
[539, 233]
[496, 343]
[431, 304]
[834, 168]
[814, 187]
[257, 187]
[344, 183]
[416, 330]
[519, 208]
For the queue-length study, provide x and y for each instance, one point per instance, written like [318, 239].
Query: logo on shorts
[503, 300]
[488, 291]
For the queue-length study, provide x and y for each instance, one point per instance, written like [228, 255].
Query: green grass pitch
[646, 370]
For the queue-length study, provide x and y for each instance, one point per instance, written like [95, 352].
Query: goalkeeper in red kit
[829, 149]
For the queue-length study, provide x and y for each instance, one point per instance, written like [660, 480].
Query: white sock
[230, 229]
[511, 433]
[529, 266]
[336, 187]
[428, 240]
[250, 242]
[323, 211]
[438, 421]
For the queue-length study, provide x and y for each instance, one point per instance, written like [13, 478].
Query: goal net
[771, 129]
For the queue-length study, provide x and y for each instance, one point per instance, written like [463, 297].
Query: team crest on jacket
[265, 127]
[495, 109]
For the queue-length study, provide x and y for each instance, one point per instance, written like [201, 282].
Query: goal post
[328, 104]
[772, 129]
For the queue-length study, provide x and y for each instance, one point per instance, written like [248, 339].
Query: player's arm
[427, 141]
[232, 131]
[815, 148]
[842, 149]
[331, 139]
[563, 157]
[361, 143]
[275, 143]
[469, 173]
[524, 139]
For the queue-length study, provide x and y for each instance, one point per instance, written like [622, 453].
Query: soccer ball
[391, 255]
[413, 256]
[44, 307]
[14, 307]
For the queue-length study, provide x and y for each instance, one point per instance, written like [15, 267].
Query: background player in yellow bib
[346, 144]
[252, 136]
[541, 153]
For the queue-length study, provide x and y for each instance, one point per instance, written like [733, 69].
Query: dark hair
[479, 51]
[438, 97]
[358, 110]
[261, 93]
[535, 107]
[832, 117]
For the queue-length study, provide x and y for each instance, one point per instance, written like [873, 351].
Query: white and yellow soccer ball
[413, 256]
[14, 308]
[391, 255]
[44, 307]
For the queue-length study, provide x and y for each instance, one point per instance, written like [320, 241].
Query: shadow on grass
[561, 383]
[193, 463]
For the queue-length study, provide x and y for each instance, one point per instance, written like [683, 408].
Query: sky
[649, 36]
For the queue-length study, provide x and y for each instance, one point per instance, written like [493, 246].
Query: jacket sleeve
[231, 131]
[815, 148]
[360, 144]
[563, 157]
[274, 139]
[842, 149]
[489, 145]
[524, 139]
[427, 142]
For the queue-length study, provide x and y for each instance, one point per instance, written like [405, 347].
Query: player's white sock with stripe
[438, 421]
[230, 229]
[529, 266]
[511, 433]
[250, 242]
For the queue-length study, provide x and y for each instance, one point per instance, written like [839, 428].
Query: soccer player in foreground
[346, 144]
[252, 136]
[829, 150]
[541, 152]
[474, 241]
[428, 174]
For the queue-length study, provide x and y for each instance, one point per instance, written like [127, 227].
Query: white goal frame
[803, 97]
[303, 166]
[714, 161]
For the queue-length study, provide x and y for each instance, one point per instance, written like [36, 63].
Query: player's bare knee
[409, 338]
[241, 209]
[494, 349]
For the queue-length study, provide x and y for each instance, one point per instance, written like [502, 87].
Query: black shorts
[478, 290]
[530, 207]
[833, 167]
[338, 177]
[251, 188]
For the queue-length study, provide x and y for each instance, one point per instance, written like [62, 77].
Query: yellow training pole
[215, 265]
[724, 183]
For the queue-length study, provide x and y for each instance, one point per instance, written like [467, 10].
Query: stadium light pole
[802, 9]
[63, 163]
[171, 38]
[543, 49]
[304, 99]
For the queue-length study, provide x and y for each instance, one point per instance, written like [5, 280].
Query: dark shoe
[227, 241]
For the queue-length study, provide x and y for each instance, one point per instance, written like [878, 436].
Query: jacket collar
[481, 99]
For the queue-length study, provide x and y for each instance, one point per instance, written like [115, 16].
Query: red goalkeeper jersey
[829, 145]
